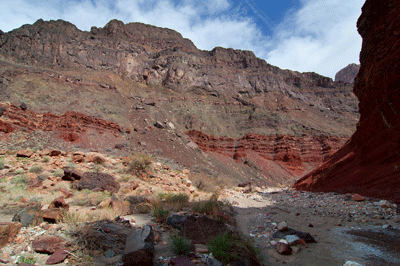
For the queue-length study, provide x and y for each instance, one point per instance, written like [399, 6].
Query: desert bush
[27, 260]
[19, 180]
[229, 247]
[19, 171]
[2, 165]
[177, 201]
[208, 207]
[37, 169]
[43, 176]
[45, 159]
[139, 162]
[58, 172]
[160, 213]
[180, 245]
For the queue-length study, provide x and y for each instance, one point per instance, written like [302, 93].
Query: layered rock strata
[370, 163]
[294, 154]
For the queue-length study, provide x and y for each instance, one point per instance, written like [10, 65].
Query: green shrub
[19, 171]
[160, 213]
[180, 245]
[229, 247]
[43, 176]
[20, 180]
[37, 169]
[139, 162]
[2, 166]
[58, 172]
[46, 159]
[208, 207]
[178, 201]
[27, 260]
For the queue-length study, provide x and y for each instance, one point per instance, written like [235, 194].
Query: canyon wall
[370, 163]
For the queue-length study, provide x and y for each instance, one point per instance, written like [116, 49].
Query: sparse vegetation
[139, 162]
[19, 180]
[160, 213]
[58, 172]
[2, 165]
[180, 245]
[229, 247]
[177, 201]
[27, 260]
[37, 169]
[45, 159]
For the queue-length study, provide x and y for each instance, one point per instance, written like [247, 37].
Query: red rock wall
[70, 124]
[370, 163]
[289, 151]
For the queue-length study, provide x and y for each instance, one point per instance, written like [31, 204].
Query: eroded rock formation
[296, 155]
[370, 163]
[348, 74]
[139, 76]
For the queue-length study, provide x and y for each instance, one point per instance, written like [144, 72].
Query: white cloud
[321, 36]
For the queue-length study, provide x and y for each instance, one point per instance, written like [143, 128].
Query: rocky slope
[348, 74]
[157, 85]
[369, 163]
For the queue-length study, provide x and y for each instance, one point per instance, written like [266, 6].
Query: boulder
[78, 158]
[176, 221]
[201, 229]
[66, 192]
[71, 175]
[357, 197]
[282, 226]
[283, 248]
[24, 153]
[302, 235]
[53, 215]
[59, 203]
[58, 256]
[31, 215]
[139, 247]
[53, 153]
[94, 157]
[23, 106]
[48, 244]
[159, 125]
[98, 182]
[8, 231]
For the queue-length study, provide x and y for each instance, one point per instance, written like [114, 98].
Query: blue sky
[301, 35]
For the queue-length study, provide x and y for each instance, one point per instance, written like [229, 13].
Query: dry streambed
[346, 227]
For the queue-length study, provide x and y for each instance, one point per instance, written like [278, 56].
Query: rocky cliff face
[348, 74]
[369, 163]
[136, 75]
[296, 155]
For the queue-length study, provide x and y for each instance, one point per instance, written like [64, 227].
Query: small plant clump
[229, 247]
[160, 213]
[180, 245]
[58, 172]
[27, 260]
[37, 169]
[46, 159]
[2, 166]
[177, 201]
[139, 162]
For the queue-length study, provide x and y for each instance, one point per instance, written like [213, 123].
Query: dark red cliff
[369, 163]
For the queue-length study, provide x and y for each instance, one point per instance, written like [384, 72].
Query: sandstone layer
[295, 155]
[369, 163]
